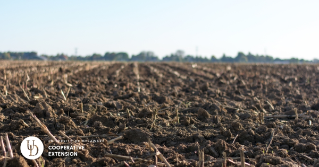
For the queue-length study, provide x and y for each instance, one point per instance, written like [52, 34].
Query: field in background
[192, 113]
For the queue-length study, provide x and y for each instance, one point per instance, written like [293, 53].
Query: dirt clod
[17, 161]
[136, 135]
[202, 114]
[43, 110]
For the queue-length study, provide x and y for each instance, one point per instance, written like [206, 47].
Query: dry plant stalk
[3, 147]
[68, 84]
[176, 159]
[261, 117]
[272, 136]
[5, 90]
[25, 93]
[63, 95]
[156, 159]
[113, 140]
[158, 153]
[81, 107]
[177, 114]
[242, 157]
[65, 80]
[45, 93]
[270, 105]
[35, 163]
[43, 127]
[67, 92]
[225, 158]
[296, 113]
[138, 79]
[154, 117]
[5, 162]
[201, 157]
[128, 113]
[25, 124]
[19, 98]
[237, 163]
[126, 164]
[52, 82]
[64, 135]
[235, 139]
[28, 78]
[8, 145]
[4, 152]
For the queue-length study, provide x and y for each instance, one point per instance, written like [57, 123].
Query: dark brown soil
[216, 108]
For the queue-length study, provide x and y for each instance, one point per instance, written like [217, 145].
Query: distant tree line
[178, 56]
[19, 56]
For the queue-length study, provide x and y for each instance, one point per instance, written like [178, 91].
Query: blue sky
[284, 28]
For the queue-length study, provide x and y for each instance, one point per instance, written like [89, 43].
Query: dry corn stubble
[241, 90]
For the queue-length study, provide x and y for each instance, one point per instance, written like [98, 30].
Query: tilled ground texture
[194, 114]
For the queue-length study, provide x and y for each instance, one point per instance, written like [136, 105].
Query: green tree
[96, 56]
[225, 58]
[213, 58]
[122, 56]
[109, 56]
[294, 60]
[6, 55]
[241, 57]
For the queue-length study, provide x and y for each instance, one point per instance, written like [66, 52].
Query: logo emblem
[31, 147]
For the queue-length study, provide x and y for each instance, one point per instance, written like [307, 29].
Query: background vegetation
[178, 56]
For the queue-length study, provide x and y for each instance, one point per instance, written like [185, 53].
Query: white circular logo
[31, 147]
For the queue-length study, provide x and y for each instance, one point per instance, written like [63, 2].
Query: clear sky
[284, 28]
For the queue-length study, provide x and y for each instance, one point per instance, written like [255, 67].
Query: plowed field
[194, 114]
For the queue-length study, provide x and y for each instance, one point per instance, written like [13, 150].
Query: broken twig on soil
[159, 154]
[64, 135]
[237, 163]
[113, 140]
[3, 147]
[271, 137]
[63, 95]
[25, 93]
[8, 145]
[43, 127]
[235, 139]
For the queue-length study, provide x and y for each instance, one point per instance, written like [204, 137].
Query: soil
[182, 108]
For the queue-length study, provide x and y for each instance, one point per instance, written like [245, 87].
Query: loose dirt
[180, 107]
